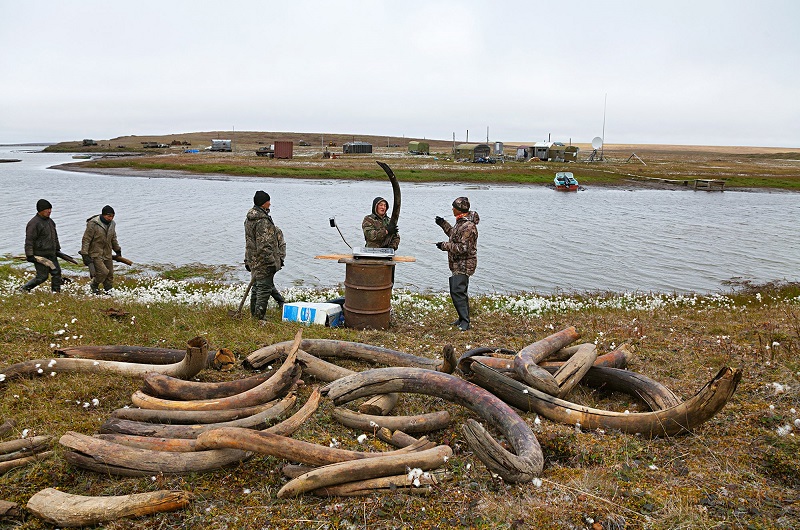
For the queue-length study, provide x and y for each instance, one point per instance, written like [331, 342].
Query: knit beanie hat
[108, 210]
[461, 204]
[260, 197]
[43, 204]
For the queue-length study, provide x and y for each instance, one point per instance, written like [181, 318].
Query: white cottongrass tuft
[362, 438]
[537, 482]
[25, 433]
[95, 402]
[52, 363]
[783, 430]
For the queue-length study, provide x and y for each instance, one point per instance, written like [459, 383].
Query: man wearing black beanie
[264, 253]
[99, 239]
[41, 239]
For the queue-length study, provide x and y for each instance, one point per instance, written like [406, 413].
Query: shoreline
[643, 183]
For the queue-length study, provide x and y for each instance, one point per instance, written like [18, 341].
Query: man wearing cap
[99, 239]
[379, 231]
[462, 255]
[41, 239]
[265, 251]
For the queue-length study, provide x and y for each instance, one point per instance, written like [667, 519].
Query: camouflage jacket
[376, 233]
[462, 247]
[265, 247]
[41, 238]
[99, 239]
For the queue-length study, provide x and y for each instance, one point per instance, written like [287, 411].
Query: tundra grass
[738, 470]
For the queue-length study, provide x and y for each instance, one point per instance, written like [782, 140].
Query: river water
[531, 237]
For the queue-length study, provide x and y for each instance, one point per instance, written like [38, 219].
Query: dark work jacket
[41, 238]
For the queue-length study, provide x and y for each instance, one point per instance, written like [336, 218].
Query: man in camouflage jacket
[99, 240]
[265, 251]
[379, 231]
[41, 239]
[462, 255]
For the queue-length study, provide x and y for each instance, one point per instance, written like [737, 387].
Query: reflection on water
[531, 238]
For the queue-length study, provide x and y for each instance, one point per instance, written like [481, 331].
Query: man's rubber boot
[458, 293]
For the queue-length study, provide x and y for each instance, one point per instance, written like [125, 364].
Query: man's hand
[246, 267]
[86, 259]
[391, 228]
[119, 253]
[30, 259]
[439, 220]
[439, 245]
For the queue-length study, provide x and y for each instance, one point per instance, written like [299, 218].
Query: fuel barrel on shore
[367, 293]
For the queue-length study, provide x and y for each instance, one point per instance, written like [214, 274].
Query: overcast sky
[677, 72]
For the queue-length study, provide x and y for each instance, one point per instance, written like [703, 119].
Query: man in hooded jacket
[99, 240]
[462, 255]
[41, 239]
[379, 231]
[265, 252]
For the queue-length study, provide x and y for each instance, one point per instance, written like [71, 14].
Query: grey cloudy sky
[678, 72]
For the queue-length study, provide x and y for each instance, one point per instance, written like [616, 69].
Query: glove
[281, 264]
[391, 228]
[439, 245]
[247, 267]
[31, 259]
[86, 259]
[440, 220]
[119, 253]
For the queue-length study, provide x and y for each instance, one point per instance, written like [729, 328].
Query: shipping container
[356, 147]
[419, 148]
[283, 149]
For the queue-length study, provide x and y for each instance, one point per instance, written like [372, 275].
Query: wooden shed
[472, 152]
[419, 148]
[356, 147]
[524, 153]
[541, 150]
[571, 153]
[556, 153]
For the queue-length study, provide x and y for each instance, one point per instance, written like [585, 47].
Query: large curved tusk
[193, 361]
[451, 388]
[164, 386]
[666, 422]
[526, 362]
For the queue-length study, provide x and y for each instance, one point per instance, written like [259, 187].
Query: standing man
[379, 231]
[462, 255]
[99, 239]
[41, 239]
[265, 251]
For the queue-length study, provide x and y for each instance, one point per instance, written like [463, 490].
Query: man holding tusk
[265, 252]
[379, 230]
[41, 239]
[99, 240]
[462, 255]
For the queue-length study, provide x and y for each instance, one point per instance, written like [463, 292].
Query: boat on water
[564, 181]
[81, 157]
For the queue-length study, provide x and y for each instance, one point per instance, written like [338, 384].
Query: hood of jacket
[471, 216]
[375, 202]
[257, 212]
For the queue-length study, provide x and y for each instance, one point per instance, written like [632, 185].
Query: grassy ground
[672, 167]
[738, 470]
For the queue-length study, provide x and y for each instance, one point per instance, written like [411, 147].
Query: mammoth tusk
[381, 380]
[186, 417]
[164, 386]
[432, 421]
[193, 361]
[365, 469]
[283, 378]
[680, 418]
[64, 509]
[526, 362]
[161, 430]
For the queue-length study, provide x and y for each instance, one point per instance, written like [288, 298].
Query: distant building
[472, 152]
[524, 153]
[419, 148]
[571, 153]
[356, 147]
[283, 149]
[541, 150]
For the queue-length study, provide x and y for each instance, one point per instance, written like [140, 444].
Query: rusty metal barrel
[367, 293]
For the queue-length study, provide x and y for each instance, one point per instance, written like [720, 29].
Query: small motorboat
[564, 181]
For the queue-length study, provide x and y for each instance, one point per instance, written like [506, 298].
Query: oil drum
[367, 293]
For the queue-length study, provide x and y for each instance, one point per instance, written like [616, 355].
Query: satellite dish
[597, 142]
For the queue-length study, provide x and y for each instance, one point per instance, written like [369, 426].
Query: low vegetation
[739, 470]
[674, 167]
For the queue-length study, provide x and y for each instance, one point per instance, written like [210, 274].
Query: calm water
[531, 238]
